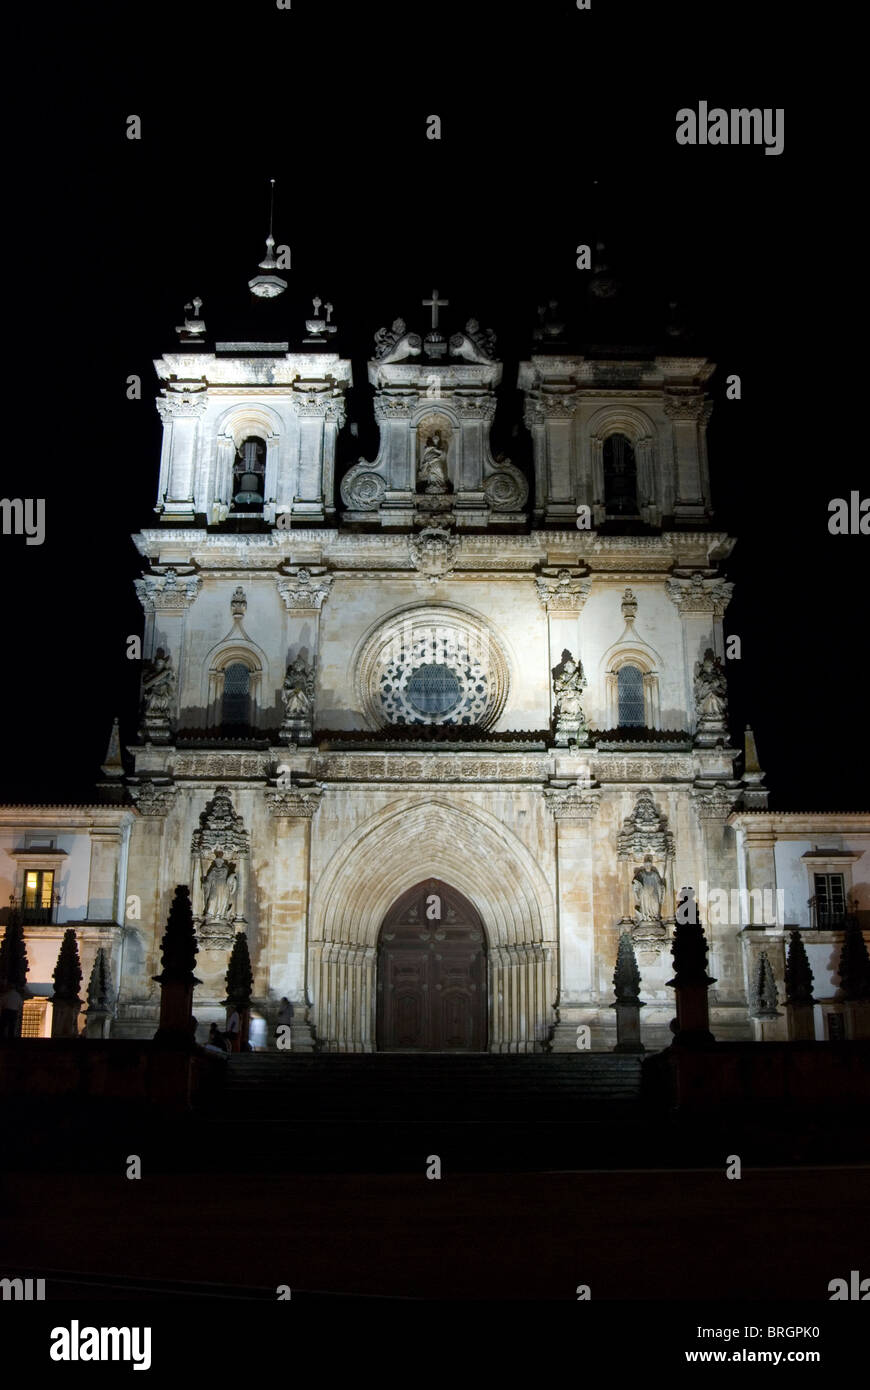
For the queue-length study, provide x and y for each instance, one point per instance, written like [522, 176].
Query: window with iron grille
[237, 694]
[830, 894]
[629, 685]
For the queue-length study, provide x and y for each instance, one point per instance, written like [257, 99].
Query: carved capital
[153, 798]
[297, 802]
[699, 595]
[161, 592]
[562, 592]
[714, 803]
[396, 407]
[182, 405]
[573, 803]
[689, 407]
[323, 405]
[304, 590]
[540, 408]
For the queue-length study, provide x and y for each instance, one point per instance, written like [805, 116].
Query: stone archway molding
[467, 847]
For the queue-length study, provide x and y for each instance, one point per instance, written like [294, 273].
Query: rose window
[435, 680]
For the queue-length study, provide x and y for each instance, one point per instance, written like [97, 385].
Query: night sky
[557, 129]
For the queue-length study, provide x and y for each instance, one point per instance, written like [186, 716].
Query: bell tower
[434, 402]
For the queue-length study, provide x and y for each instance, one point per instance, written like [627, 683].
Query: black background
[557, 129]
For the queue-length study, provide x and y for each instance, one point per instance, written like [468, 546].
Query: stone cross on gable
[195, 305]
[328, 308]
[317, 303]
[435, 304]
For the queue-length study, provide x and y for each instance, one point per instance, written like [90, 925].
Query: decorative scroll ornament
[476, 344]
[396, 343]
[161, 592]
[433, 552]
[563, 592]
[304, 590]
[569, 683]
[506, 489]
[362, 489]
[158, 694]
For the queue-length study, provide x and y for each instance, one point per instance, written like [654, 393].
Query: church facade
[433, 734]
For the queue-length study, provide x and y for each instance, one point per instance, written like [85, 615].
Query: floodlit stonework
[426, 672]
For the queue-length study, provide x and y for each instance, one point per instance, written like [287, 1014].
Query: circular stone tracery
[434, 681]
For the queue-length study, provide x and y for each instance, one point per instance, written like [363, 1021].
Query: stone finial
[13, 954]
[179, 945]
[751, 765]
[100, 983]
[626, 976]
[798, 974]
[764, 994]
[113, 767]
[240, 977]
[193, 329]
[67, 974]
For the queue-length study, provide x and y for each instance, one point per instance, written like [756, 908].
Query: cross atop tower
[435, 304]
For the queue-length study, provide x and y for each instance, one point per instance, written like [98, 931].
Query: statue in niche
[219, 887]
[649, 891]
[298, 691]
[711, 688]
[432, 471]
[158, 686]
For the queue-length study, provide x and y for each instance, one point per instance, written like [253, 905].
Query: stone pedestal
[65, 1017]
[800, 1021]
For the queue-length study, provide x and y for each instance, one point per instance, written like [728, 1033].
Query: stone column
[574, 810]
[180, 412]
[292, 810]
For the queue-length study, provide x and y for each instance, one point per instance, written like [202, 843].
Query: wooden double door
[431, 982]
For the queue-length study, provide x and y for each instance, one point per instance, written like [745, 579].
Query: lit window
[38, 895]
[629, 684]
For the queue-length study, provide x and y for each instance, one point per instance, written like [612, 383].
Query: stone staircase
[387, 1111]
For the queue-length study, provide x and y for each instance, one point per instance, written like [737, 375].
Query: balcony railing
[825, 917]
[35, 915]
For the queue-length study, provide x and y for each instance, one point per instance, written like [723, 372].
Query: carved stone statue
[158, 692]
[649, 891]
[297, 695]
[219, 887]
[568, 686]
[711, 697]
[432, 472]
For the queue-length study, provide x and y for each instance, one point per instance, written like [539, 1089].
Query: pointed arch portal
[431, 973]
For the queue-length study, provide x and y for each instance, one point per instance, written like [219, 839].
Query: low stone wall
[116, 1069]
[744, 1073]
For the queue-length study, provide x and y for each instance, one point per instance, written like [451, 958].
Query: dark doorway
[432, 973]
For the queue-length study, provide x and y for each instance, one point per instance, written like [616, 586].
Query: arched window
[249, 473]
[620, 476]
[629, 684]
[236, 707]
